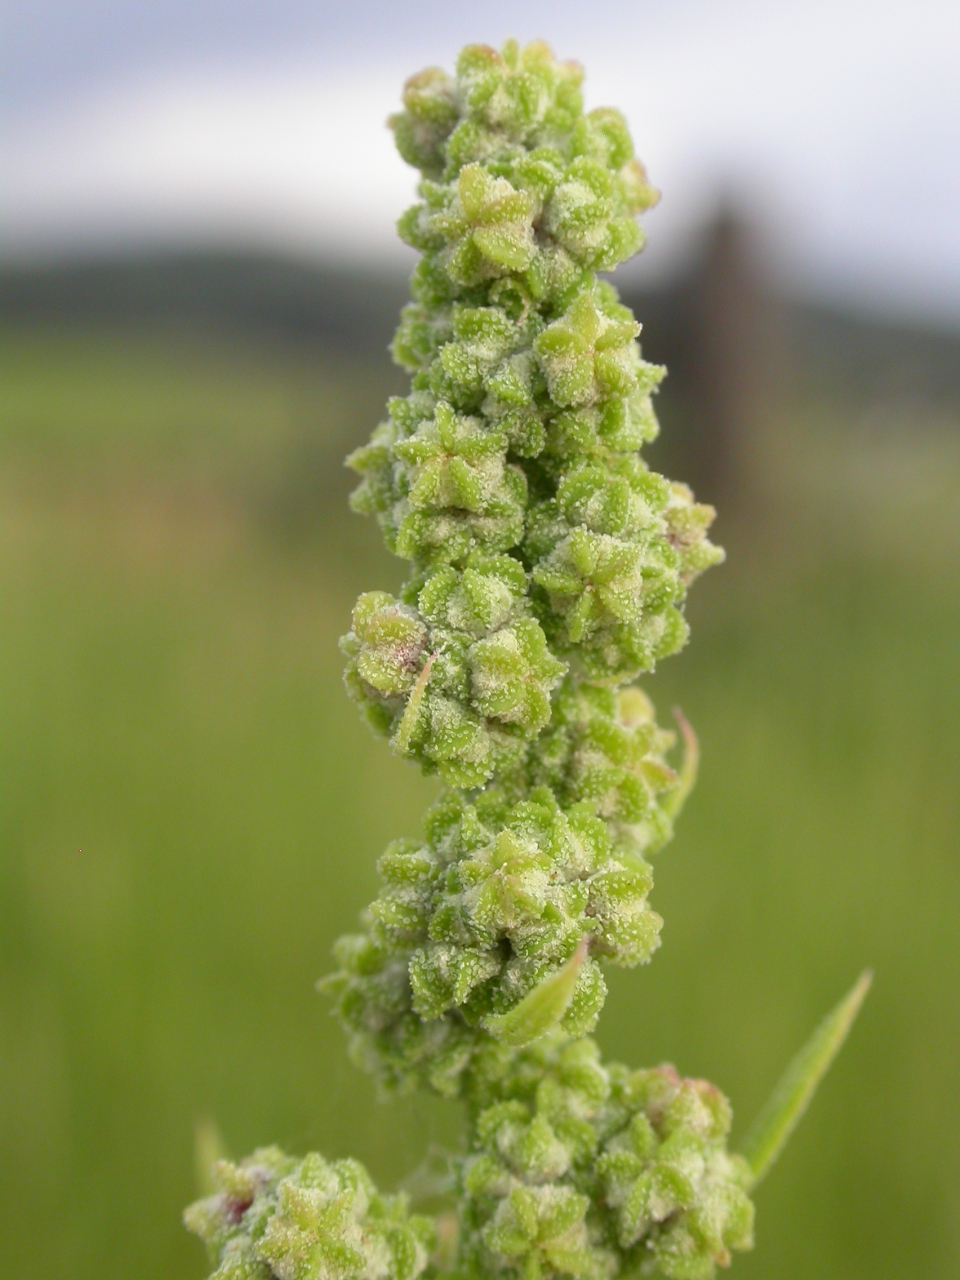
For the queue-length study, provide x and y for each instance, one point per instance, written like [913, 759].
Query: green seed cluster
[588, 1170]
[549, 569]
[530, 400]
[275, 1216]
[461, 679]
[501, 891]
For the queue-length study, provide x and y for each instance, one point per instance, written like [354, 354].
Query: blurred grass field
[190, 810]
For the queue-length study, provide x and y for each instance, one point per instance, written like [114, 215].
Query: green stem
[790, 1099]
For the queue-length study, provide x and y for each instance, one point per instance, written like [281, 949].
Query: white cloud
[280, 156]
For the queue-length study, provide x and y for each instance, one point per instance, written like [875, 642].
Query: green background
[190, 809]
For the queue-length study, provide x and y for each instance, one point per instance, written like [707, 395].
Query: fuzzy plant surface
[549, 567]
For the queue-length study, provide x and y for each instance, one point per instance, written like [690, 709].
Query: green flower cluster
[275, 1216]
[461, 678]
[530, 398]
[587, 1170]
[505, 885]
[550, 567]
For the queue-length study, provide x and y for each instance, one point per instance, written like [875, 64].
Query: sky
[834, 124]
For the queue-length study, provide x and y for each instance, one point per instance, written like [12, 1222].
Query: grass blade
[790, 1099]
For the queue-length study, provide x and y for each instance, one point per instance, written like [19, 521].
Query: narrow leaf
[790, 1099]
[408, 721]
[677, 798]
[541, 1009]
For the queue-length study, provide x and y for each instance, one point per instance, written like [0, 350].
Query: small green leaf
[540, 1010]
[790, 1099]
[677, 798]
[408, 721]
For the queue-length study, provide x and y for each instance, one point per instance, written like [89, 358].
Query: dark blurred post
[735, 363]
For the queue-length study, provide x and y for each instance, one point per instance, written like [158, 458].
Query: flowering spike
[549, 570]
[689, 769]
[274, 1216]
